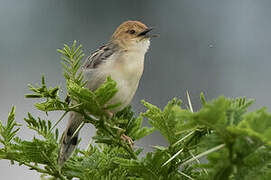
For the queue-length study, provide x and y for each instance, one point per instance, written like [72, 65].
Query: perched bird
[122, 58]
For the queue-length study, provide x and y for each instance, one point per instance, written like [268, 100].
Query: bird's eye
[131, 31]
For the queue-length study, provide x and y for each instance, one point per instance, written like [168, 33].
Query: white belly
[126, 70]
[127, 73]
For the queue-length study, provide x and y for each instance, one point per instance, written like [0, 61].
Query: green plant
[220, 141]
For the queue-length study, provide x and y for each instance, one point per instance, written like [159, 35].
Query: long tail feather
[69, 140]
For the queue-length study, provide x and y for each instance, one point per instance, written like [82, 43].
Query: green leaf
[168, 120]
[72, 62]
[8, 131]
[41, 127]
[84, 97]
[106, 91]
[256, 124]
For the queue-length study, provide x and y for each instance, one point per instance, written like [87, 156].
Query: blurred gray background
[210, 46]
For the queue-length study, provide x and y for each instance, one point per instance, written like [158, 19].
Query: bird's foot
[126, 138]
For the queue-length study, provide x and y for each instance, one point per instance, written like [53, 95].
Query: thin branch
[122, 144]
[60, 119]
[129, 150]
[54, 168]
[38, 169]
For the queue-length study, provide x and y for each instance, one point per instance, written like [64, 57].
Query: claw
[126, 138]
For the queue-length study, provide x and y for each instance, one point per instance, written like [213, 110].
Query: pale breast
[126, 68]
[126, 71]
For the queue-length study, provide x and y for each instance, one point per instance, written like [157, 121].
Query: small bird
[122, 58]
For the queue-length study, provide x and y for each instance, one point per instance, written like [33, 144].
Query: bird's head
[132, 35]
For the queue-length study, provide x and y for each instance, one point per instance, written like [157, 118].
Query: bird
[122, 58]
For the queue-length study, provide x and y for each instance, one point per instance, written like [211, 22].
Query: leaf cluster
[221, 141]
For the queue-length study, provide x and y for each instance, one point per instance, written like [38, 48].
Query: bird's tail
[69, 140]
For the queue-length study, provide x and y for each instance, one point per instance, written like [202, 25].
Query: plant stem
[120, 143]
[129, 150]
[36, 168]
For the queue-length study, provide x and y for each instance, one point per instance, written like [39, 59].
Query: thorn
[189, 101]
[78, 129]
[203, 154]
[170, 159]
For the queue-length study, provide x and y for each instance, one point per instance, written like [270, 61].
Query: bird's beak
[146, 33]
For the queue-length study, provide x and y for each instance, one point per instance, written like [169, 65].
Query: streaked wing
[99, 56]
